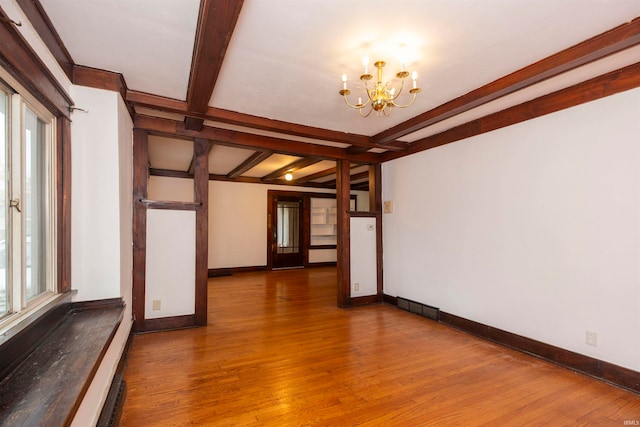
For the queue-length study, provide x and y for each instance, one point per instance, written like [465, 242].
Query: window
[27, 203]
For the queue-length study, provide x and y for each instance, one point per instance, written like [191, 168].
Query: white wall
[102, 170]
[170, 189]
[534, 229]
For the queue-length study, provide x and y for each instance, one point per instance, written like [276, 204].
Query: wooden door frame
[302, 254]
[272, 195]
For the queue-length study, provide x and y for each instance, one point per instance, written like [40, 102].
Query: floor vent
[420, 309]
[113, 406]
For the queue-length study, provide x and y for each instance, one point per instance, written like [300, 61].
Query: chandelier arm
[399, 91]
[365, 115]
[405, 105]
[368, 92]
[368, 98]
[356, 106]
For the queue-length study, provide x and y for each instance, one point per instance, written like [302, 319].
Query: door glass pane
[4, 135]
[34, 205]
[288, 227]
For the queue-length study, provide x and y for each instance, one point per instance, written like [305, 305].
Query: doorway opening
[301, 229]
[287, 233]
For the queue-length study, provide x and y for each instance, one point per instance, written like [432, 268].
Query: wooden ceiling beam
[170, 105]
[321, 174]
[292, 167]
[253, 160]
[361, 175]
[170, 173]
[99, 79]
[216, 22]
[215, 177]
[354, 177]
[255, 122]
[360, 186]
[388, 146]
[598, 47]
[599, 87]
[316, 175]
[156, 102]
[244, 140]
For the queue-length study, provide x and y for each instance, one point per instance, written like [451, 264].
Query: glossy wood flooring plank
[278, 352]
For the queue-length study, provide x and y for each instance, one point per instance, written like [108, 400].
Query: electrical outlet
[591, 338]
[156, 304]
[387, 206]
[356, 286]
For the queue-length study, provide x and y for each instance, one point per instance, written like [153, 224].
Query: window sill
[14, 323]
[24, 332]
[47, 366]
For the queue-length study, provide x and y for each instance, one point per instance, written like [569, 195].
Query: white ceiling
[285, 57]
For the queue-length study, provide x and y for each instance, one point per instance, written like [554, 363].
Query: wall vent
[420, 309]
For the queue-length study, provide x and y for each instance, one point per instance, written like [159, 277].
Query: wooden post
[140, 183]
[375, 205]
[63, 184]
[201, 197]
[343, 191]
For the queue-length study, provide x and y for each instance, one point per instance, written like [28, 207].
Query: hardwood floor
[278, 352]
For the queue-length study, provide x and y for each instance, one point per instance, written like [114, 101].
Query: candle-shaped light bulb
[359, 101]
[365, 62]
[344, 81]
[414, 76]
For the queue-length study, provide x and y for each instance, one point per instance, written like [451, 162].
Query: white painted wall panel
[363, 257]
[171, 263]
[534, 229]
[95, 195]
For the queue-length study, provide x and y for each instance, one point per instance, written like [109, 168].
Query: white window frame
[19, 101]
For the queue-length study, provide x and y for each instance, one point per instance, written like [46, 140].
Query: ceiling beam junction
[192, 165]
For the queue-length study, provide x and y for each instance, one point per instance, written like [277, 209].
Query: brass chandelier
[380, 98]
